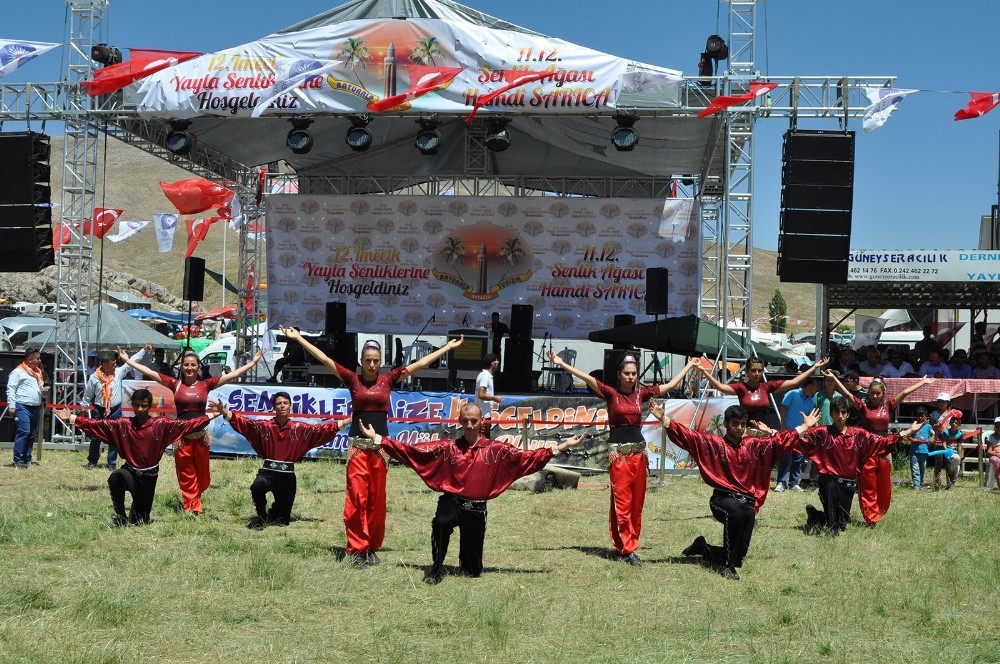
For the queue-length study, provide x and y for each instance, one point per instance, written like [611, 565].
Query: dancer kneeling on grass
[839, 452]
[140, 440]
[738, 468]
[469, 471]
[282, 443]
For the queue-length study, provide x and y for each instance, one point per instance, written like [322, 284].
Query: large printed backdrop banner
[399, 260]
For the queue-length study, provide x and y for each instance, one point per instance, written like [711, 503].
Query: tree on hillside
[778, 311]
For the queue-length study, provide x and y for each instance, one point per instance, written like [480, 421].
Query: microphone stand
[413, 345]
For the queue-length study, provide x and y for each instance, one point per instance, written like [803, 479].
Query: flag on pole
[14, 53]
[164, 223]
[883, 102]
[236, 211]
[867, 330]
[195, 195]
[423, 79]
[127, 229]
[979, 105]
[102, 222]
[197, 230]
[142, 63]
[61, 235]
[757, 89]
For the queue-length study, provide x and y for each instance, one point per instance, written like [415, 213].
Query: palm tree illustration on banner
[511, 251]
[455, 251]
[425, 50]
[356, 52]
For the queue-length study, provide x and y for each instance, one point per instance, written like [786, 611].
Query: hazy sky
[922, 181]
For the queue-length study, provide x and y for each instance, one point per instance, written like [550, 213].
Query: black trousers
[737, 518]
[836, 494]
[142, 487]
[282, 486]
[472, 531]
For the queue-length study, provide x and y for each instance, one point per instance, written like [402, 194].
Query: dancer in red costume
[627, 448]
[190, 400]
[469, 471]
[281, 442]
[875, 478]
[364, 497]
[140, 440]
[738, 468]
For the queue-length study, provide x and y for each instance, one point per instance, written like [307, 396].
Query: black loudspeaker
[336, 322]
[621, 320]
[518, 354]
[194, 279]
[25, 249]
[817, 202]
[656, 291]
[25, 197]
[521, 318]
[345, 349]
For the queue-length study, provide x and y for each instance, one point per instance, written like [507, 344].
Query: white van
[17, 331]
[220, 356]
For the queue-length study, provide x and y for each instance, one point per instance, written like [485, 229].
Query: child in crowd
[918, 447]
[993, 453]
[952, 439]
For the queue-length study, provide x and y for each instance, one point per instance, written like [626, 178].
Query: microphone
[465, 320]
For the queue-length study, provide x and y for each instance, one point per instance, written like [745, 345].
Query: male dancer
[282, 443]
[739, 469]
[140, 440]
[469, 471]
[103, 394]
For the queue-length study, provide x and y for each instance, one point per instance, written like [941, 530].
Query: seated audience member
[897, 366]
[872, 364]
[960, 367]
[984, 369]
[952, 459]
[914, 359]
[934, 367]
[993, 451]
[848, 360]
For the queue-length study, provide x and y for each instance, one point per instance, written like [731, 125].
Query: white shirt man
[485, 395]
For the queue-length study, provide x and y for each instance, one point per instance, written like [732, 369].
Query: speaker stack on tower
[194, 279]
[25, 202]
[519, 349]
[817, 201]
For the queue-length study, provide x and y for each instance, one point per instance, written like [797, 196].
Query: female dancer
[755, 394]
[190, 400]
[627, 448]
[364, 496]
[875, 477]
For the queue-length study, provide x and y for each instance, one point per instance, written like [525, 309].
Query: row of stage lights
[624, 136]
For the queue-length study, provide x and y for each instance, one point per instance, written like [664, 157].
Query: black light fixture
[299, 140]
[105, 55]
[716, 48]
[358, 137]
[624, 136]
[497, 136]
[428, 138]
[179, 141]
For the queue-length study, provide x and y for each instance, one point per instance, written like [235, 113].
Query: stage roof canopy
[366, 50]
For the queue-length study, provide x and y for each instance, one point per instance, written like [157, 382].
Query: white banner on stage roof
[399, 260]
[345, 67]
[923, 265]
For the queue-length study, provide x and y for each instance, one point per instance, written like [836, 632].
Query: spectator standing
[485, 394]
[795, 405]
[919, 447]
[926, 345]
[25, 396]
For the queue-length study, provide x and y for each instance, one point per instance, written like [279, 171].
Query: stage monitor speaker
[518, 354]
[624, 320]
[612, 358]
[522, 317]
[656, 291]
[25, 249]
[336, 321]
[194, 279]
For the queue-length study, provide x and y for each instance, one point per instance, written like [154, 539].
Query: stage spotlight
[105, 55]
[497, 136]
[624, 136]
[299, 140]
[179, 141]
[428, 138]
[716, 48]
[358, 137]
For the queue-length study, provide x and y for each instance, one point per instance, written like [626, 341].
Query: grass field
[920, 587]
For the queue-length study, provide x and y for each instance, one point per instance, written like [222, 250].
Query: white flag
[680, 219]
[15, 53]
[867, 330]
[883, 102]
[127, 229]
[165, 223]
[236, 210]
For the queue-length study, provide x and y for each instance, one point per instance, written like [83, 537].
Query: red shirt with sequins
[189, 400]
[758, 399]
[370, 401]
[141, 445]
[876, 419]
[287, 442]
[625, 411]
[843, 454]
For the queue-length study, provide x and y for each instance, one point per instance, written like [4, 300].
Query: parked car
[17, 331]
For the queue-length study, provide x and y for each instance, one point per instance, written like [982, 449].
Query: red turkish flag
[197, 230]
[423, 79]
[725, 101]
[195, 195]
[515, 78]
[104, 219]
[60, 235]
[980, 104]
[143, 63]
